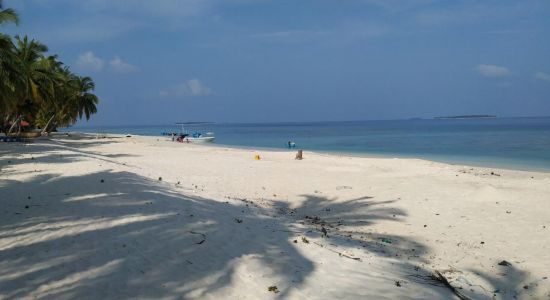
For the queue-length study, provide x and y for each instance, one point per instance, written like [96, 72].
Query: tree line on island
[37, 91]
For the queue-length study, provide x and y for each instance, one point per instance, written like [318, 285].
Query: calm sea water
[519, 143]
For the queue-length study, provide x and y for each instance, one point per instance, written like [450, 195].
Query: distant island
[467, 117]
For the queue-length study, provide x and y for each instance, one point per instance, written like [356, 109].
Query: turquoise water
[518, 143]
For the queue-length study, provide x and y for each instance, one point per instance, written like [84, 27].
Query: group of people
[180, 138]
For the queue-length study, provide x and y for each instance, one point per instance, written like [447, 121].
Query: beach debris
[202, 234]
[386, 240]
[257, 157]
[305, 240]
[273, 289]
[29, 197]
[26, 207]
[238, 220]
[504, 263]
[525, 287]
[299, 155]
[343, 187]
[443, 280]
[341, 254]
[425, 225]
[160, 178]
[508, 212]
[295, 241]
[102, 181]
[397, 283]
[324, 231]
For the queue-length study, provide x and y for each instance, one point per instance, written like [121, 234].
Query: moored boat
[194, 137]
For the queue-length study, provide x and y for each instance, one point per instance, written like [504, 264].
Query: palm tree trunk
[47, 124]
[14, 123]
[52, 127]
[6, 120]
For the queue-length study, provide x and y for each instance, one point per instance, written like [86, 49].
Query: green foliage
[38, 88]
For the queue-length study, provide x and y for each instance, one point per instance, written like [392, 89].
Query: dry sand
[146, 218]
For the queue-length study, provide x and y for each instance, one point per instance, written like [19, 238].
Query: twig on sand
[439, 277]
[202, 234]
[338, 252]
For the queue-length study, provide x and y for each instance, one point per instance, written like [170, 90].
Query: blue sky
[162, 61]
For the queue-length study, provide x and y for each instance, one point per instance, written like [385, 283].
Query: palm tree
[7, 72]
[36, 79]
[73, 100]
[8, 15]
[87, 102]
[39, 88]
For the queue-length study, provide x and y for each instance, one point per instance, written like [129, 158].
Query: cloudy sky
[162, 61]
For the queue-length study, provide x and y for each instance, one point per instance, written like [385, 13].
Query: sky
[166, 61]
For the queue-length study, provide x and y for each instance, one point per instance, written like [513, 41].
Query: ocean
[516, 143]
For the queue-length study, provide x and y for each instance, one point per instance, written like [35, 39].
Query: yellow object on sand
[257, 157]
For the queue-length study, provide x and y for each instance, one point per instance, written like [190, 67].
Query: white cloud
[542, 76]
[120, 66]
[191, 87]
[492, 71]
[89, 62]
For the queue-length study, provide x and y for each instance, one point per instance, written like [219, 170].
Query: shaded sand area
[147, 218]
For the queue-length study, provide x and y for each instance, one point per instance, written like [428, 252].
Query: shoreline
[457, 163]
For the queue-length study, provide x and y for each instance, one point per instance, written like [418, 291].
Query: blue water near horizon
[517, 143]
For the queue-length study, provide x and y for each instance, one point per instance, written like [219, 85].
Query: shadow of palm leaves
[149, 240]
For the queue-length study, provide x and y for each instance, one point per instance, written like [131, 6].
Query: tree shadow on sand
[112, 235]
[508, 282]
[53, 151]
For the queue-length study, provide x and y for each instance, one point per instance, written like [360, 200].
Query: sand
[146, 218]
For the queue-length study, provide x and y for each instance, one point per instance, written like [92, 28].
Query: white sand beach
[146, 218]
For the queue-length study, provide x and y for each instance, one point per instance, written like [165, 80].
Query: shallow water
[519, 143]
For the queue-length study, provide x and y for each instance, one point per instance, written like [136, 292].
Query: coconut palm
[7, 72]
[36, 78]
[8, 15]
[39, 88]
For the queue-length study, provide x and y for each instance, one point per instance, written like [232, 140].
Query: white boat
[194, 137]
[202, 139]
